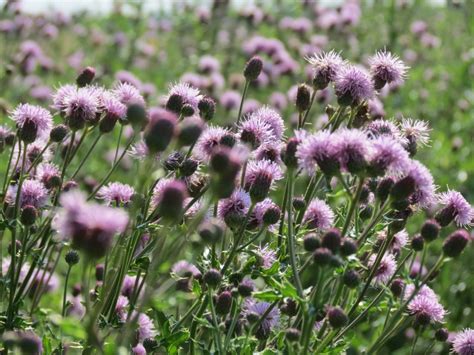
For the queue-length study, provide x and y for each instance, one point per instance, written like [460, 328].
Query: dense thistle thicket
[249, 269]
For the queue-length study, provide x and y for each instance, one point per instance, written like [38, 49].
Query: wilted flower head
[326, 66]
[318, 149]
[90, 226]
[463, 342]
[34, 119]
[273, 119]
[386, 68]
[318, 215]
[353, 86]
[385, 269]
[116, 192]
[455, 207]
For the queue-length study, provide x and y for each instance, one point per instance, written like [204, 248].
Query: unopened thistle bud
[430, 230]
[136, 115]
[211, 231]
[175, 103]
[299, 203]
[253, 68]
[272, 215]
[332, 240]
[188, 167]
[351, 278]
[28, 215]
[85, 77]
[292, 334]
[187, 110]
[212, 277]
[160, 130]
[397, 287]
[337, 318]
[403, 188]
[311, 242]
[171, 201]
[442, 335]
[189, 131]
[455, 243]
[58, 133]
[72, 257]
[322, 256]
[207, 108]
[223, 302]
[303, 98]
[28, 132]
[348, 247]
[417, 243]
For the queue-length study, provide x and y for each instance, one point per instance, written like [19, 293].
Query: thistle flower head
[269, 151]
[318, 215]
[463, 342]
[353, 86]
[33, 193]
[189, 95]
[386, 68]
[385, 269]
[82, 106]
[116, 192]
[262, 169]
[425, 189]
[262, 208]
[266, 256]
[254, 131]
[352, 149]
[146, 328]
[33, 118]
[48, 174]
[387, 155]
[273, 119]
[426, 309]
[112, 106]
[235, 207]
[209, 140]
[458, 207]
[318, 149]
[326, 67]
[183, 268]
[61, 96]
[128, 94]
[385, 128]
[260, 308]
[416, 130]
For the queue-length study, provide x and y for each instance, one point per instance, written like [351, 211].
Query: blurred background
[150, 44]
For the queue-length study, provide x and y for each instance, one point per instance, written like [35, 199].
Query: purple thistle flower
[33, 193]
[183, 268]
[352, 149]
[266, 256]
[162, 186]
[146, 328]
[254, 131]
[76, 308]
[90, 226]
[318, 215]
[269, 151]
[386, 268]
[320, 149]
[387, 155]
[139, 151]
[457, 206]
[139, 349]
[209, 140]
[416, 130]
[353, 86]
[326, 66]
[189, 95]
[261, 208]
[258, 168]
[424, 291]
[47, 173]
[112, 106]
[208, 64]
[424, 194]
[82, 106]
[260, 308]
[124, 76]
[128, 285]
[40, 118]
[386, 68]
[116, 192]
[128, 94]
[61, 95]
[426, 308]
[384, 128]
[273, 119]
[235, 206]
[230, 100]
[463, 342]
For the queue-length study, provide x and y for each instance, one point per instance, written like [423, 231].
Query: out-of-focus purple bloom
[463, 342]
[250, 106]
[146, 328]
[208, 64]
[183, 268]
[139, 349]
[116, 192]
[124, 76]
[121, 308]
[318, 215]
[230, 100]
[162, 186]
[278, 100]
[25, 114]
[385, 269]
[33, 193]
[128, 94]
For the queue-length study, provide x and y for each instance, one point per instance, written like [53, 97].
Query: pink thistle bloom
[352, 149]
[320, 149]
[139, 349]
[209, 140]
[424, 194]
[128, 285]
[183, 268]
[261, 208]
[424, 291]
[83, 105]
[124, 76]
[128, 94]
[386, 268]
[190, 95]
[318, 215]
[386, 68]
[62, 95]
[260, 308]
[209, 64]
[163, 185]
[272, 119]
[463, 342]
[33, 193]
[238, 203]
[326, 66]
[417, 130]
[230, 100]
[47, 171]
[353, 85]
[258, 168]
[461, 209]
[40, 117]
[146, 328]
[139, 150]
[388, 155]
[121, 308]
[112, 106]
[269, 151]
[427, 307]
[384, 128]
[116, 192]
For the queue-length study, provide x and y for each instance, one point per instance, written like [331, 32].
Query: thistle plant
[250, 237]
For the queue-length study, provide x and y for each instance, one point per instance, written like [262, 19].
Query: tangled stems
[214, 319]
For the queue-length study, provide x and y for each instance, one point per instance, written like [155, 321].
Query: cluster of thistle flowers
[217, 182]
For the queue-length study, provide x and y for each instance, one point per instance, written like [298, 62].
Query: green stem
[86, 156]
[217, 335]
[65, 290]
[353, 205]
[247, 83]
